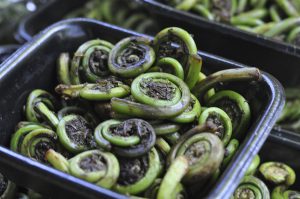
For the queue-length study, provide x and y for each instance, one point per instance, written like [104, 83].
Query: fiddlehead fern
[241, 74]
[63, 69]
[185, 51]
[221, 120]
[130, 138]
[203, 150]
[236, 107]
[281, 192]
[161, 96]
[171, 181]
[21, 132]
[277, 173]
[172, 66]
[137, 174]
[40, 106]
[253, 166]
[103, 90]
[93, 57]
[251, 187]
[37, 142]
[131, 57]
[191, 113]
[95, 166]
[75, 133]
[75, 110]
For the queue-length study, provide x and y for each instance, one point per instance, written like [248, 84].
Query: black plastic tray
[283, 150]
[212, 37]
[34, 66]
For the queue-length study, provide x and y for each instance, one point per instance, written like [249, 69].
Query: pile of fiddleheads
[277, 19]
[267, 180]
[138, 117]
[118, 12]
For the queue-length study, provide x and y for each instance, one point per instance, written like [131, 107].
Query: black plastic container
[212, 37]
[34, 66]
[283, 150]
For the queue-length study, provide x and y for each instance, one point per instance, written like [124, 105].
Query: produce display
[277, 19]
[138, 117]
[118, 12]
[267, 180]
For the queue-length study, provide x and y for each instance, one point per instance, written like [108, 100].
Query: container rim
[283, 47]
[257, 134]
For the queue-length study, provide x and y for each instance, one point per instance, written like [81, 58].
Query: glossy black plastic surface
[34, 66]
[212, 37]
